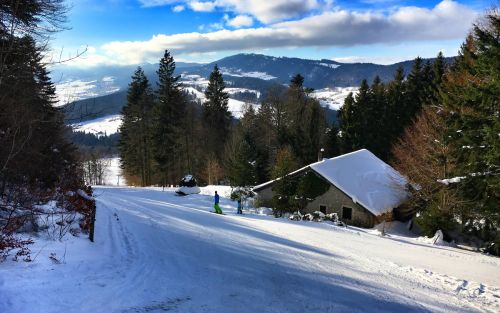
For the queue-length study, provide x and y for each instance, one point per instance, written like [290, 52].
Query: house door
[322, 209]
[346, 213]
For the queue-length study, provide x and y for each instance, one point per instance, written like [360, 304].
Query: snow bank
[222, 190]
[437, 240]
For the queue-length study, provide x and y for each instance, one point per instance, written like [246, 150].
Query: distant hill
[89, 109]
[255, 72]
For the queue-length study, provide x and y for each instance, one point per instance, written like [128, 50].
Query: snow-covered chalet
[363, 190]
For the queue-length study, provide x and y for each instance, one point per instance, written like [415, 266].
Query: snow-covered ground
[333, 98]
[106, 125]
[239, 73]
[73, 90]
[236, 107]
[157, 252]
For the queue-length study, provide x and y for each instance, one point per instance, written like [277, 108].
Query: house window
[346, 213]
[322, 208]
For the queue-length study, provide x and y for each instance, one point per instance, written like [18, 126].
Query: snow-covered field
[73, 90]
[106, 125]
[236, 107]
[333, 98]
[239, 73]
[157, 252]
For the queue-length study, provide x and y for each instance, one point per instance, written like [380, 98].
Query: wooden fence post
[92, 223]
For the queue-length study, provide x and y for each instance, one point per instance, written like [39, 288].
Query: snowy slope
[236, 107]
[157, 252]
[111, 123]
[239, 73]
[73, 90]
[106, 125]
[333, 98]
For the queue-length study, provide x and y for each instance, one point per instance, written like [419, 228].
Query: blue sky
[381, 31]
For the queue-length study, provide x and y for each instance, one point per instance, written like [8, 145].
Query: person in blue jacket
[239, 207]
[216, 204]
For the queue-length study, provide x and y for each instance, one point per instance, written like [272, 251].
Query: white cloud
[239, 21]
[266, 11]
[448, 20]
[200, 6]
[178, 8]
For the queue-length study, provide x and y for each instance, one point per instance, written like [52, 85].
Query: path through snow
[157, 252]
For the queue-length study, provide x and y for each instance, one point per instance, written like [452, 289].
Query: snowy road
[157, 252]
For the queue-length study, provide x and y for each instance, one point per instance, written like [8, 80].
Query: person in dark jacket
[239, 206]
[216, 204]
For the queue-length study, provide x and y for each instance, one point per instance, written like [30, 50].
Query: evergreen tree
[241, 160]
[456, 164]
[332, 142]
[216, 116]
[34, 153]
[352, 124]
[348, 124]
[306, 124]
[169, 140]
[438, 71]
[416, 92]
[395, 118]
[285, 186]
[375, 116]
[470, 95]
[264, 135]
[135, 143]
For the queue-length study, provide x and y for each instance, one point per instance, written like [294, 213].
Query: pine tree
[332, 142]
[416, 91]
[395, 120]
[462, 144]
[169, 137]
[285, 186]
[470, 94]
[135, 143]
[240, 162]
[438, 71]
[352, 124]
[305, 122]
[35, 153]
[375, 115]
[216, 116]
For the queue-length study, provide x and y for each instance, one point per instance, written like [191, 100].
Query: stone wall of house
[334, 200]
[265, 195]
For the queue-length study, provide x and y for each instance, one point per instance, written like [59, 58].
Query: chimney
[320, 154]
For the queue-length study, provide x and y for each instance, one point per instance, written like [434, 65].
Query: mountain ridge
[257, 72]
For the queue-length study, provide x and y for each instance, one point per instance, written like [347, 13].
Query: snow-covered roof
[363, 177]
